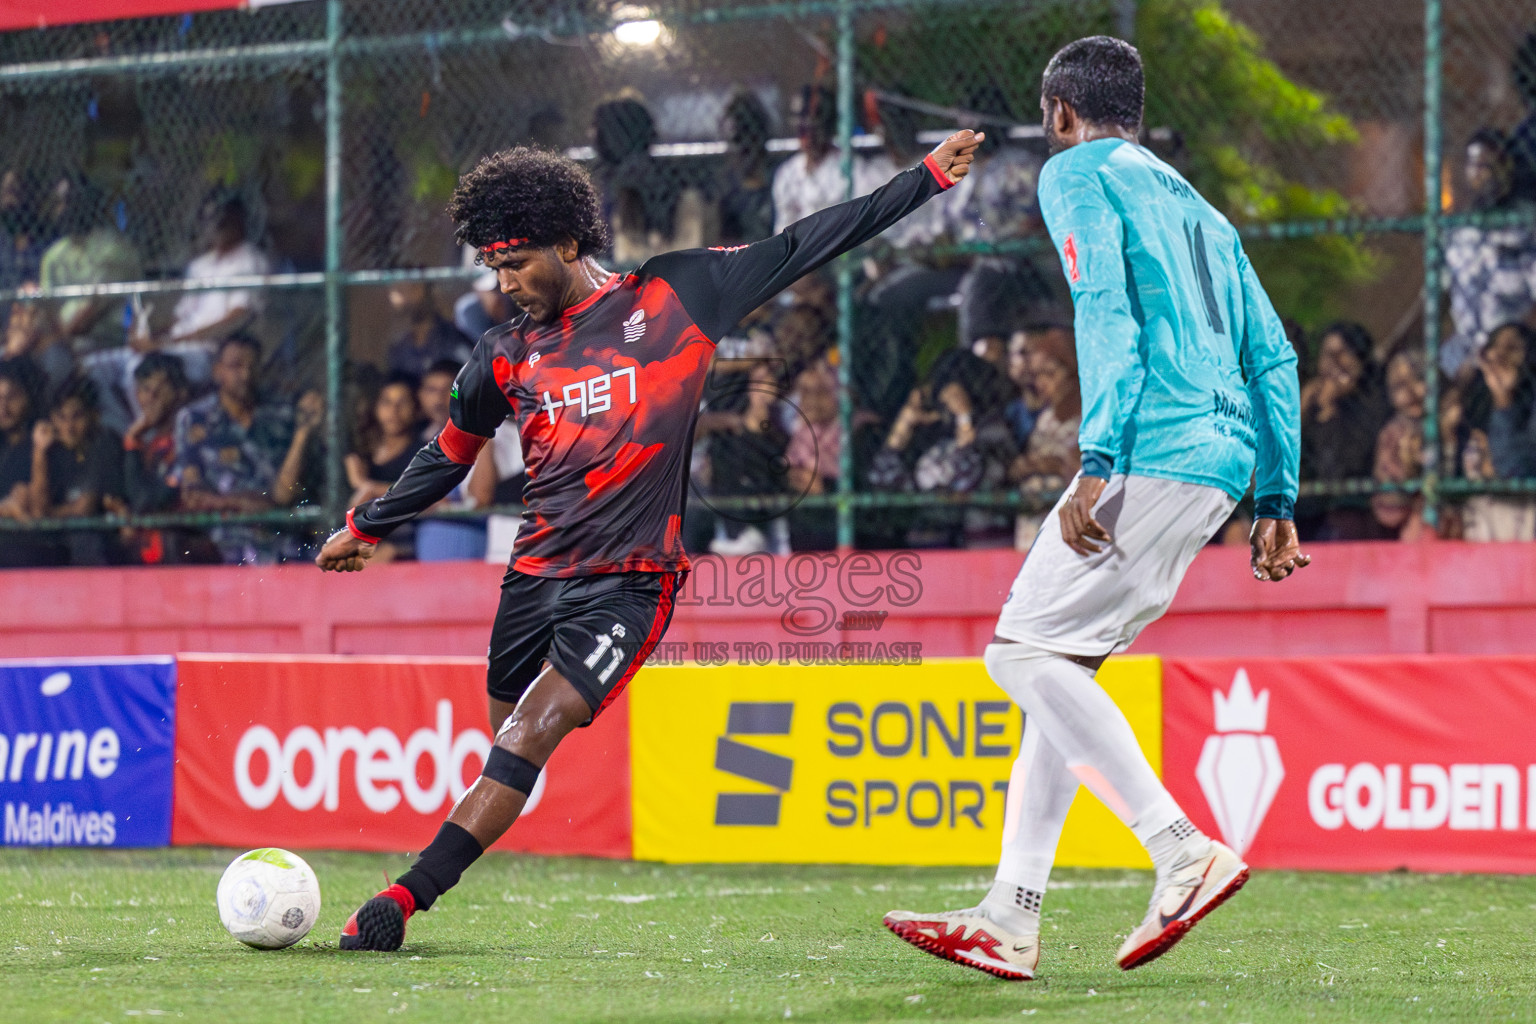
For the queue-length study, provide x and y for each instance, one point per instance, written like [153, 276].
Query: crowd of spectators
[961, 376]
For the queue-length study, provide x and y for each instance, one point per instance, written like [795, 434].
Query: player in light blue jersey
[1189, 394]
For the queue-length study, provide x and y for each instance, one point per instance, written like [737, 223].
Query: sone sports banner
[371, 754]
[851, 764]
[86, 750]
[1358, 764]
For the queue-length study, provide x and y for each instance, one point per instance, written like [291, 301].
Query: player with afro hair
[603, 374]
[528, 194]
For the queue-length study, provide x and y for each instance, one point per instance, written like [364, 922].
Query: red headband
[510, 243]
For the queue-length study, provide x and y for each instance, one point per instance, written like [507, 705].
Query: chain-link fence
[277, 175]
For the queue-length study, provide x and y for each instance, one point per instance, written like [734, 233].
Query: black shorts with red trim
[595, 630]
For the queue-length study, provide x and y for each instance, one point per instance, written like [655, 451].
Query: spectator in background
[202, 319]
[746, 191]
[950, 438]
[482, 308]
[1021, 410]
[1500, 414]
[802, 334]
[235, 453]
[23, 233]
[815, 453]
[747, 444]
[161, 391]
[389, 446]
[1341, 413]
[210, 317]
[428, 337]
[1400, 448]
[812, 179]
[996, 203]
[1490, 271]
[647, 212]
[76, 466]
[1051, 457]
[441, 540]
[1523, 139]
[90, 251]
[434, 395]
[21, 385]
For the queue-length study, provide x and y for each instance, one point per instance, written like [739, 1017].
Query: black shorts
[595, 630]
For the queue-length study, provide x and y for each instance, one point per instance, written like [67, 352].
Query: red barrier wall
[1355, 599]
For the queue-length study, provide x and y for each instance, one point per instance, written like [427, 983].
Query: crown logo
[1238, 710]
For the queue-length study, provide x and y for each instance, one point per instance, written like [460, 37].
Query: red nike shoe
[969, 938]
[1193, 888]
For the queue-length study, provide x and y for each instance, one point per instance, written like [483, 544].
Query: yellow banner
[852, 764]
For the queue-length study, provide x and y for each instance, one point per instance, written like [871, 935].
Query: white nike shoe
[1193, 887]
[969, 938]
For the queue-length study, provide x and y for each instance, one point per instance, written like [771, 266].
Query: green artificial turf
[117, 936]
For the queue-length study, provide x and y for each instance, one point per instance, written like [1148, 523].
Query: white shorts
[1065, 603]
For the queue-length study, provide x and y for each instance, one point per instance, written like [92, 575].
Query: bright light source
[638, 33]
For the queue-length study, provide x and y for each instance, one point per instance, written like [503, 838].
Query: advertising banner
[850, 764]
[1358, 764]
[370, 754]
[85, 751]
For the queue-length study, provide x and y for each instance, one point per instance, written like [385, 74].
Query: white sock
[1040, 792]
[1014, 907]
[1176, 842]
[1087, 729]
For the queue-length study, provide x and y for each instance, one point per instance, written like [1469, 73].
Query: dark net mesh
[920, 392]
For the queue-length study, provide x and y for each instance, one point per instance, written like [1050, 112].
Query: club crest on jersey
[634, 327]
[1069, 251]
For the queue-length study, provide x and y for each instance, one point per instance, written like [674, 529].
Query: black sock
[438, 868]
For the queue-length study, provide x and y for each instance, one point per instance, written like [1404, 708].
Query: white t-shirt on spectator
[197, 310]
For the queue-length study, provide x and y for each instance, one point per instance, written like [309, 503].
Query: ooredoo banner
[854, 764]
[1358, 764]
[370, 754]
[85, 751]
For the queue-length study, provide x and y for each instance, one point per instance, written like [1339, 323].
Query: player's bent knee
[511, 770]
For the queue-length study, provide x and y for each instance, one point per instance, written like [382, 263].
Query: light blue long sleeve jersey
[1186, 371]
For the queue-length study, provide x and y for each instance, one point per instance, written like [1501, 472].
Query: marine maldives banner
[85, 751]
[370, 754]
[1358, 764]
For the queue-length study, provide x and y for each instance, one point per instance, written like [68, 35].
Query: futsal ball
[269, 898]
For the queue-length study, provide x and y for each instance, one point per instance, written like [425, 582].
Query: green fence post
[845, 278]
[1433, 257]
[334, 339]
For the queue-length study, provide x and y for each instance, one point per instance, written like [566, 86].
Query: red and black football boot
[379, 924]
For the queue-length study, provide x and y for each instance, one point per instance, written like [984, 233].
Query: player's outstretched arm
[719, 287]
[1276, 550]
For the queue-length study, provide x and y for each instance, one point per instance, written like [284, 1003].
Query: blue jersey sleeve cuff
[1097, 464]
[1274, 506]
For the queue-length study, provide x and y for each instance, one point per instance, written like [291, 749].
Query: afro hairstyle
[528, 194]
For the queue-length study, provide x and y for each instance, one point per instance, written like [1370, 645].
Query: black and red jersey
[606, 398]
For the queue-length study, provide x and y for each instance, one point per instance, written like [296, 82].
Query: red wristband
[944, 180]
[359, 534]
